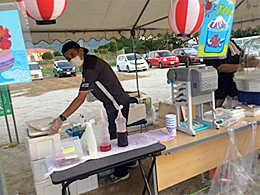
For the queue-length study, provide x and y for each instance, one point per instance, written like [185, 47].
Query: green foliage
[96, 50]
[104, 51]
[245, 33]
[47, 70]
[106, 46]
[47, 55]
[56, 58]
[113, 46]
[112, 63]
[56, 53]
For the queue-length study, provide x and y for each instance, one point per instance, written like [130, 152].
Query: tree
[56, 53]
[113, 46]
[47, 55]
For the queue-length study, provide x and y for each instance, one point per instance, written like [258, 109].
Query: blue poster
[216, 28]
[14, 66]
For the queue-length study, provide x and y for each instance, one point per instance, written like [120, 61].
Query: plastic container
[75, 131]
[247, 76]
[120, 121]
[104, 136]
[249, 97]
[67, 151]
[91, 143]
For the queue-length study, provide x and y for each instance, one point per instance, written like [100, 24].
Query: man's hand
[253, 63]
[55, 126]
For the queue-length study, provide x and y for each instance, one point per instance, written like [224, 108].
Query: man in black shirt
[226, 68]
[95, 69]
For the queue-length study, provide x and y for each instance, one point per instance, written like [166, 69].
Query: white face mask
[76, 62]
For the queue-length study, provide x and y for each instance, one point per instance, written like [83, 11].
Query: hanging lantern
[43, 11]
[185, 17]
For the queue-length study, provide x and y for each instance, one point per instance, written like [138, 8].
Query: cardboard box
[165, 108]
[136, 113]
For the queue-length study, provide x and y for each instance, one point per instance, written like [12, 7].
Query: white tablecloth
[134, 142]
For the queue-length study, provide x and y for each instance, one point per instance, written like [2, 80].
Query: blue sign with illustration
[14, 66]
[216, 28]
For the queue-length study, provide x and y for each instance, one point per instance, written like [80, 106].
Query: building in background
[35, 54]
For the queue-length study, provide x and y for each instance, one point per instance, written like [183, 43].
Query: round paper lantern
[43, 11]
[185, 17]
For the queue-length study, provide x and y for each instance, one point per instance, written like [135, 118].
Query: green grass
[112, 63]
[47, 70]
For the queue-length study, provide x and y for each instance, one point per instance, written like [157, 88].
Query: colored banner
[14, 66]
[216, 28]
[6, 102]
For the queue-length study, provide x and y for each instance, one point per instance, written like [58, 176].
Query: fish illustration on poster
[216, 28]
[14, 66]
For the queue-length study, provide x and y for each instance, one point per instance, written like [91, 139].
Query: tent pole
[11, 105]
[6, 120]
[136, 75]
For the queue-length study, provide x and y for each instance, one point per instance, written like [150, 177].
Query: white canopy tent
[86, 19]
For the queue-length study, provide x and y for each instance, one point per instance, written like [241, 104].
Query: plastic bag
[236, 172]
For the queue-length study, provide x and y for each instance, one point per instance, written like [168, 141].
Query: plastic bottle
[90, 139]
[104, 137]
[120, 121]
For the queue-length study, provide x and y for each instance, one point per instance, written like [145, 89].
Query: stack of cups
[171, 124]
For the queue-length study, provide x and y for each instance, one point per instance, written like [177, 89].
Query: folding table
[92, 167]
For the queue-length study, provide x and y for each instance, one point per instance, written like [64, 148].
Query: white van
[126, 62]
[35, 70]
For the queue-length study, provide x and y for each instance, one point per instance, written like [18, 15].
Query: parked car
[35, 70]
[162, 58]
[126, 62]
[195, 47]
[145, 56]
[63, 68]
[192, 55]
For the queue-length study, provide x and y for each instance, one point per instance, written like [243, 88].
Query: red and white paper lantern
[185, 17]
[43, 11]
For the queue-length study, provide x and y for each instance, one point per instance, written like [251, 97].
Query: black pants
[121, 170]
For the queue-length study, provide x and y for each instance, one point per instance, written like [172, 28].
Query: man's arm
[228, 68]
[75, 104]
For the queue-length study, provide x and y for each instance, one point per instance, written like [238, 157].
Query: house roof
[37, 50]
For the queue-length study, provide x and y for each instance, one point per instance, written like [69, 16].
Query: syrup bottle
[104, 137]
[90, 139]
[120, 121]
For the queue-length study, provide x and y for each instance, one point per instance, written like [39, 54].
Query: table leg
[154, 181]
[150, 172]
[144, 177]
[64, 187]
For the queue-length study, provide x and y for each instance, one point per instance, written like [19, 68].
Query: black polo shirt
[96, 69]
[226, 85]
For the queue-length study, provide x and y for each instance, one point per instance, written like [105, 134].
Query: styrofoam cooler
[38, 169]
[47, 188]
[84, 185]
[40, 147]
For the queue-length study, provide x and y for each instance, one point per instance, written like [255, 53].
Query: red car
[192, 55]
[162, 58]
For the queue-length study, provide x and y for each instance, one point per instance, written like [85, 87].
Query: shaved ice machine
[193, 86]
